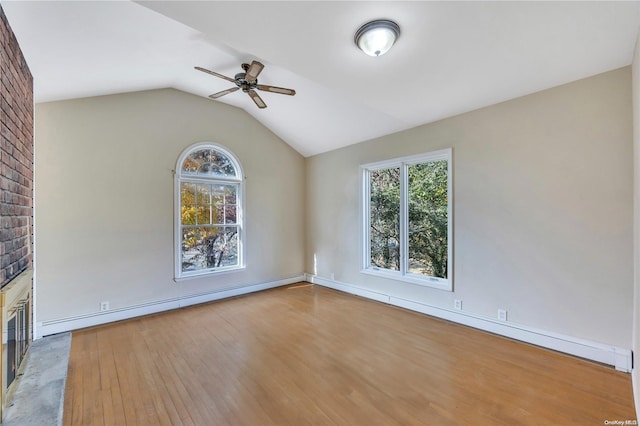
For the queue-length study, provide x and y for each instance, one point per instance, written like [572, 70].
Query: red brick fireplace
[16, 207]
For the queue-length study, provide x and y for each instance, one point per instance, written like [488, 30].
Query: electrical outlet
[502, 314]
[457, 304]
[104, 306]
[333, 276]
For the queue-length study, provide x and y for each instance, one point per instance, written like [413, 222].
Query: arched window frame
[237, 181]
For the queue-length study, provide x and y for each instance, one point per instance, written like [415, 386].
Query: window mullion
[211, 204]
[404, 218]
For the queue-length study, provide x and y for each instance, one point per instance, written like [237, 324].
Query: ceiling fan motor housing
[242, 83]
[241, 80]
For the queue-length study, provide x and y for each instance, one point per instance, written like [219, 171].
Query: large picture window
[209, 232]
[407, 210]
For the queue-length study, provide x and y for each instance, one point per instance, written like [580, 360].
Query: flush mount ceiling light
[375, 38]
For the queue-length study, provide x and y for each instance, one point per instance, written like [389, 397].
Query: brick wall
[16, 157]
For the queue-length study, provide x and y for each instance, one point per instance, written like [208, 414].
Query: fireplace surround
[16, 209]
[16, 309]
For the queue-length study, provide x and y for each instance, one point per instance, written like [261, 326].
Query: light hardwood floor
[304, 354]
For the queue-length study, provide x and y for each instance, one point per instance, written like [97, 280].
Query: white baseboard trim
[620, 358]
[46, 328]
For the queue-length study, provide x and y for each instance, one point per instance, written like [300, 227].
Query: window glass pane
[384, 229]
[208, 162]
[217, 196]
[230, 194]
[188, 209]
[218, 214]
[193, 161]
[203, 193]
[230, 214]
[204, 215]
[209, 247]
[228, 247]
[428, 219]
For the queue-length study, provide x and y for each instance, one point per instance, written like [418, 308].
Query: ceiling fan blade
[215, 73]
[257, 99]
[274, 89]
[224, 92]
[254, 69]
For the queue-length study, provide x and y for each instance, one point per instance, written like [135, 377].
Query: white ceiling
[451, 57]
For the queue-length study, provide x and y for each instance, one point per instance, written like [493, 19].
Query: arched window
[209, 232]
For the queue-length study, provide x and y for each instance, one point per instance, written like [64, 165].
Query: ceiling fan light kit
[248, 82]
[375, 38]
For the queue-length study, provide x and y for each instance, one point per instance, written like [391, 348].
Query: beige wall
[543, 205]
[542, 209]
[104, 199]
[635, 67]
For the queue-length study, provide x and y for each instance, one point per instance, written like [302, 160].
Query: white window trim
[403, 274]
[179, 275]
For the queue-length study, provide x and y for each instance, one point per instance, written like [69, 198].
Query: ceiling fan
[248, 82]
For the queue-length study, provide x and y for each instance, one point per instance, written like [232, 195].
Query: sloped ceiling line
[452, 57]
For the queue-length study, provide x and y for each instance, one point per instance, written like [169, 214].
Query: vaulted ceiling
[451, 57]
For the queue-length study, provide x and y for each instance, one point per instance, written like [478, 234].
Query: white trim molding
[237, 181]
[403, 273]
[620, 358]
[55, 326]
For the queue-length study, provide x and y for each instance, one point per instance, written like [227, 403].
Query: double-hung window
[209, 231]
[407, 212]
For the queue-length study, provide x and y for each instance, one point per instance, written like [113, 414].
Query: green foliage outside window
[428, 222]
[427, 218]
[385, 218]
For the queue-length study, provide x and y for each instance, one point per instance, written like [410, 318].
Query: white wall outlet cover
[502, 314]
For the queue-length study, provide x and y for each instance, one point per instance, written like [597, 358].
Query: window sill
[438, 283]
[209, 273]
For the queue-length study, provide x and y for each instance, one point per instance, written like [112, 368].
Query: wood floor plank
[303, 354]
